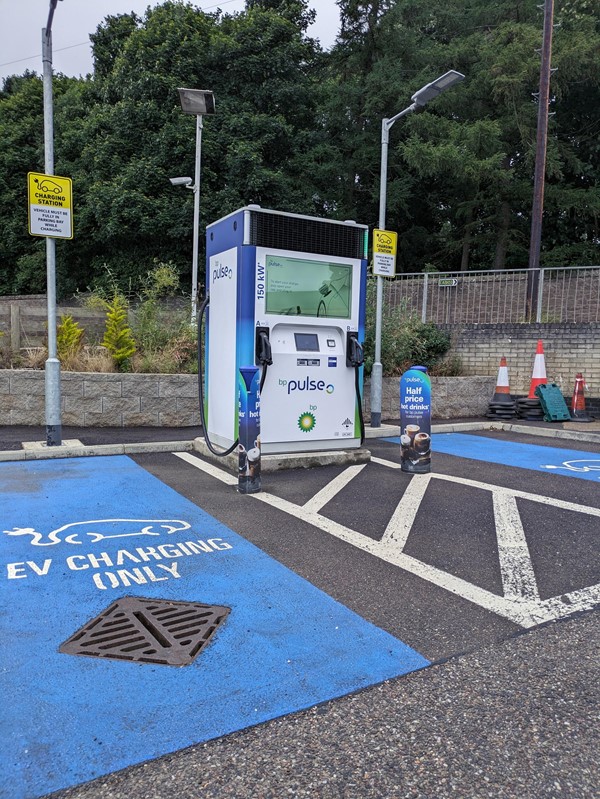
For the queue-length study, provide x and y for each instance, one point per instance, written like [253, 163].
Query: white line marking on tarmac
[332, 488]
[516, 567]
[400, 525]
[558, 503]
[382, 462]
[520, 604]
[204, 466]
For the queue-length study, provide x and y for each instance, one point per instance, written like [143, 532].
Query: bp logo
[307, 422]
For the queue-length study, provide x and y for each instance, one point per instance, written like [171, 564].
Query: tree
[298, 130]
[460, 172]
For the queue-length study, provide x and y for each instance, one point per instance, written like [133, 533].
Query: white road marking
[558, 503]
[518, 578]
[382, 462]
[400, 525]
[521, 602]
[332, 488]
[204, 466]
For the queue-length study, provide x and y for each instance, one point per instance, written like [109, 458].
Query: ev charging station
[287, 293]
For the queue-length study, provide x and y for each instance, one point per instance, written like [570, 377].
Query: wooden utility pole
[537, 210]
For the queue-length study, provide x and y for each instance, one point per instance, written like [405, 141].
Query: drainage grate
[148, 631]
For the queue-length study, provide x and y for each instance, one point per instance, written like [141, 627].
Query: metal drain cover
[148, 631]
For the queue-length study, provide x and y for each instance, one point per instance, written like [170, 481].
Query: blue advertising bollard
[415, 421]
[249, 430]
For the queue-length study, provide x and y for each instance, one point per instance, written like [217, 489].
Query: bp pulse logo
[307, 385]
[220, 272]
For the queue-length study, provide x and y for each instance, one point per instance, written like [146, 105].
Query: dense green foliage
[298, 129]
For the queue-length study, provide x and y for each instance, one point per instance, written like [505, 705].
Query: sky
[21, 23]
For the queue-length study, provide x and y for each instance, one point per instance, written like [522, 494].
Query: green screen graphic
[300, 287]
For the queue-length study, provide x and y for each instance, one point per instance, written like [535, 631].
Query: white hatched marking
[204, 466]
[516, 568]
[382, 462]
[520, 604]
[558, 503]
[399, 526]
[332, 488]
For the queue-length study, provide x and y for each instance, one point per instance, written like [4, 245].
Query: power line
[39, 55]
[81, 44]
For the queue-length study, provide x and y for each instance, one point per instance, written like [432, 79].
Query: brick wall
[123, 400]
[568, 349]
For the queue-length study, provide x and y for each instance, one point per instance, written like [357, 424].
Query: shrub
[405, 340]
[69, 341]
[179, 355]
[118, 338]
[154, 327]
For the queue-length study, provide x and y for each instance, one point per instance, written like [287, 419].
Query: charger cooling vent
[301, 234]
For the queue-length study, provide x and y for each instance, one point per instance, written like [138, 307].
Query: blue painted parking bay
[554, 460]
[77, 535]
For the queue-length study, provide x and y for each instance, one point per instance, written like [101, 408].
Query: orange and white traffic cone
[502, 405]
[578, 412]
[502, 391]
[530, 407]
[538, 377]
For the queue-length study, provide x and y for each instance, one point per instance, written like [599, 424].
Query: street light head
[197, 101]
[181, 181]
[439, 85]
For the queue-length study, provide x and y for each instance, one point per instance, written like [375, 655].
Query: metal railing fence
[564, 294]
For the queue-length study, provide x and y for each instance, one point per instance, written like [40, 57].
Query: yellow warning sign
[50, 205]
[384, 252]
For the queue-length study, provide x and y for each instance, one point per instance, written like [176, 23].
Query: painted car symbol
[48, 185]
[153, 527]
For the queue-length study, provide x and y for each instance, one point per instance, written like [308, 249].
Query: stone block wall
[136, 400]
[451, 397]
[102, 400]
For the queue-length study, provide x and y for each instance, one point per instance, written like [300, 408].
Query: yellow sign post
[50, 205]
[384, 253]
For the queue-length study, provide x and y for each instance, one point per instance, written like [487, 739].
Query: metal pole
[52, 366]
[196, 219]
[540, 295]
[424, 302]
[377, 370]
[540, 162]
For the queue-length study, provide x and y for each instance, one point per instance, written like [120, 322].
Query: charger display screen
[307, 342]
[303, 287]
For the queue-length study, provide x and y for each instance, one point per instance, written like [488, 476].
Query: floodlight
[197, 101]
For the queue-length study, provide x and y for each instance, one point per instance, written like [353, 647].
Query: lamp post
[198, 102]
[419, 99]
[52, 365]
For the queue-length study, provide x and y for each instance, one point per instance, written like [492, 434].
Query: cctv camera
[181, 181]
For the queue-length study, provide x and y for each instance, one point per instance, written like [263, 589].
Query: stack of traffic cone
[578, 412]
[531, 407]
[502, 405]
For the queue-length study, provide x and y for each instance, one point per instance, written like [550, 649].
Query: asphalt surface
[516, 720]
[502, 712]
